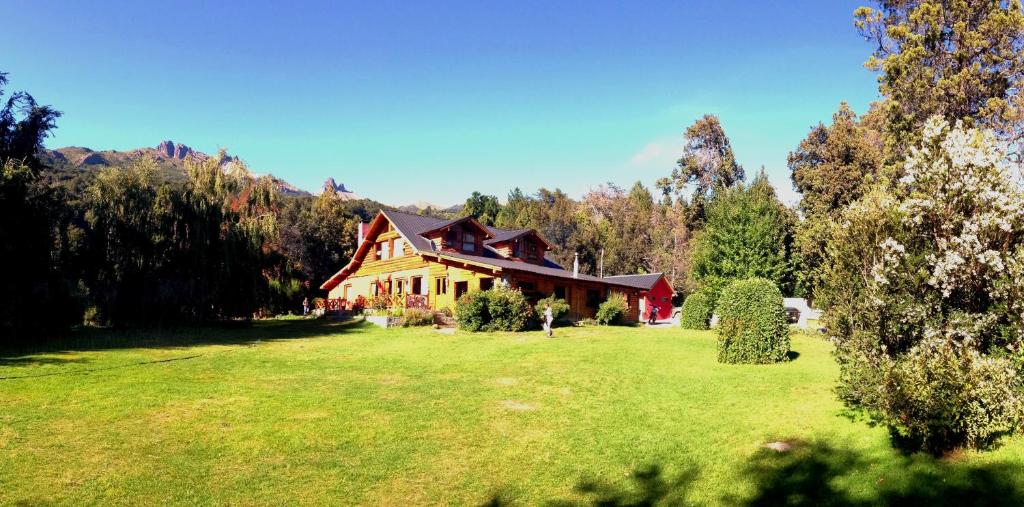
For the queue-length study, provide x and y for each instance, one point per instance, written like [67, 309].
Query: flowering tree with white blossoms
[924, 295]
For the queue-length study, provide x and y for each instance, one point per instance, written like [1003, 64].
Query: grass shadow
[28, 360]
[812, 474]
[226, 333]
[792, 355]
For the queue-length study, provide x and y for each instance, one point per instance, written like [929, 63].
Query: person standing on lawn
[549, 316]
[305, 306]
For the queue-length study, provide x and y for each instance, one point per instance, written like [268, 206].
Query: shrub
[417, 317]
[612, 312]
[697, 310]
[509, 310]
[496, 309]
[559, 308]
[752, 323]
[924, 291]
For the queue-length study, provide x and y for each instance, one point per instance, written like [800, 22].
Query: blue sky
[428, 101]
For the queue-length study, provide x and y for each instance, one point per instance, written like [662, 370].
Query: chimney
[362, 229]
[576, 265]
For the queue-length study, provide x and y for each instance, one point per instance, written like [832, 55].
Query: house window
[486, 283]
[441, 285]
[375, 288]
[526, 286]
[460, 289]
[385, 249]
[417, 285]
[468, 241]
[559, 292]
[593, 298]
[515, 248]
[531, 247]
[398, 249]
[377, 251]
[399, 285]
[389, 287]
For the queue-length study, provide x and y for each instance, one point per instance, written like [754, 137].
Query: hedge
[697, 310]
[496, 309]
[752, 324]
[612, 312]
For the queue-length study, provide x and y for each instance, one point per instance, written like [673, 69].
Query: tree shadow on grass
[40, 360]
[817, 474]
[813, 473]
[792, 355]
[225, 333]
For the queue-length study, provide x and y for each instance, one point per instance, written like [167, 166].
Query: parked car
[792, 315]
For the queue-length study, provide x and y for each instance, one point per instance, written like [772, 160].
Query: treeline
[703, 224]
[122, 247]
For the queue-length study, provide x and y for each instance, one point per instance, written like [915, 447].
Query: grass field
[311, 412]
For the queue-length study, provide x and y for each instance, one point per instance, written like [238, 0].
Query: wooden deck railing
[405, 301]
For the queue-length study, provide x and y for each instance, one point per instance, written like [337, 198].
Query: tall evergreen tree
[957, 59]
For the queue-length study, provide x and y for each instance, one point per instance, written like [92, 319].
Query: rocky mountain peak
[170, 150]
[331, 186]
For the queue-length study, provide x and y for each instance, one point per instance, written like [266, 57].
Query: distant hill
[436, 209]
[75, 163]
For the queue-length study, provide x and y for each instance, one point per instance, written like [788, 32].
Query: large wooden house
[418, 261]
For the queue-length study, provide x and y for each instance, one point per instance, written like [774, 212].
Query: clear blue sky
[432, 100]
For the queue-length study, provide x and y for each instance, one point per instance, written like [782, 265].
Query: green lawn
[310, 412]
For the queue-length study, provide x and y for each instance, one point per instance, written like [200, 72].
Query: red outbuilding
[655, 291]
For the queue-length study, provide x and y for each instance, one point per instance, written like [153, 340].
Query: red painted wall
[661, 296]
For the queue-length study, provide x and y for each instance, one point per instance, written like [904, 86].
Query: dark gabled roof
[645, 281]
[411, 226]
[502, 235]
[527, 267]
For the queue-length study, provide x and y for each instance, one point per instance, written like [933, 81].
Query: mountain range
[72, 162]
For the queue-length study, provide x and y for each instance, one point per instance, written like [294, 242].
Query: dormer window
[532, 249]
[468, 241]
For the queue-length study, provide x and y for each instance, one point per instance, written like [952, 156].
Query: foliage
[697, 310]
[484, 208]
[36, 296]
[318, 235]
[417, 317]
[497, 309]
[752, 323]
[559, 308]
[748, 234]
[830, 169]
[960, 60]
[206, 243]
[628, 230]
[612, 312]
[708, 163]
[925, 294]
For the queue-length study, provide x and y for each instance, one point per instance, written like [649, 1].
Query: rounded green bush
[752, 323]
[496, 309]
[612, 312]
[697, 310]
